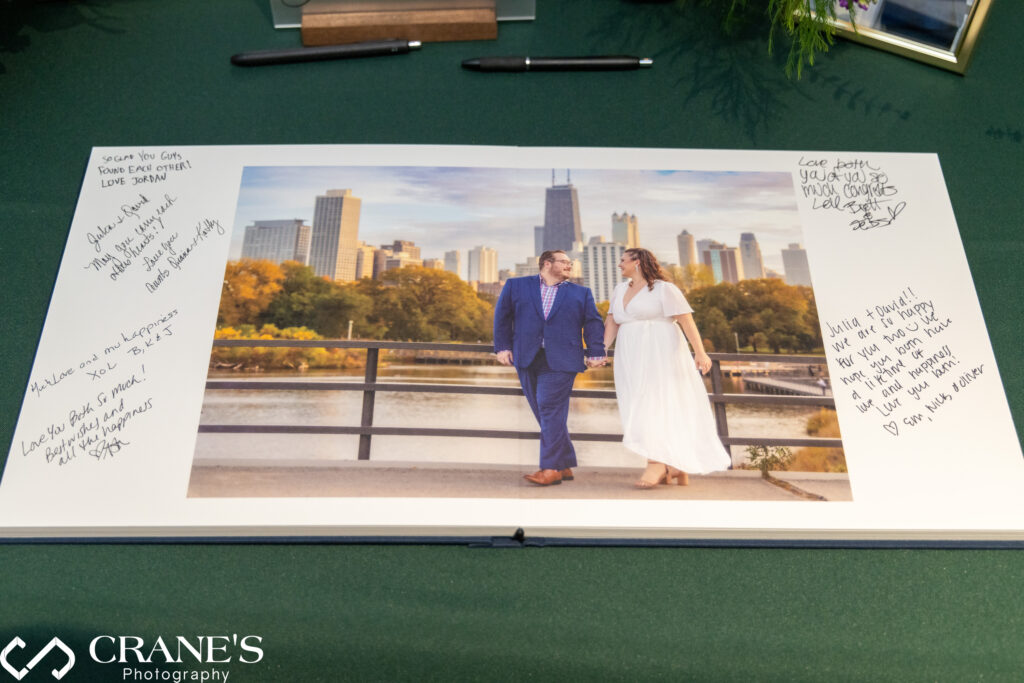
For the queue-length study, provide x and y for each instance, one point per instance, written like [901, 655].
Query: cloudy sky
[441, 209]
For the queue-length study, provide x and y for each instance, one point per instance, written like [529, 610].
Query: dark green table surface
[74, 75]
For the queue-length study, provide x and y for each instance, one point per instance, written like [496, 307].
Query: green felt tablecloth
[78, 74]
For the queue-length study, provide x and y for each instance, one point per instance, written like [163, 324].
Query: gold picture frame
[872, 28]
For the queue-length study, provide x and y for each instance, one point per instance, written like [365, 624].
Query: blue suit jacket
[519, 325]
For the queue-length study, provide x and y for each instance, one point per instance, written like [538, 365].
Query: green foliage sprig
[808, 24]
[767, 458]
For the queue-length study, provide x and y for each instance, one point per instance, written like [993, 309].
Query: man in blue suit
[540, 324]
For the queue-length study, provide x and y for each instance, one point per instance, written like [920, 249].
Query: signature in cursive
[869, 220]
[106, 448]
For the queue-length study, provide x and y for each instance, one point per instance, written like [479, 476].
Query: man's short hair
[547, 256]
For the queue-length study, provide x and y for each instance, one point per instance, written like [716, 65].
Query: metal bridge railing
[370, 387]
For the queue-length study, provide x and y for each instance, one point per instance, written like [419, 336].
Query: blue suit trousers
[547, 391]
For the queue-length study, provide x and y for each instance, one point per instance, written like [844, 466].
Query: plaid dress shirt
[547, 295]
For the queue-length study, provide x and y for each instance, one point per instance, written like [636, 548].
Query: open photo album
[577, 344]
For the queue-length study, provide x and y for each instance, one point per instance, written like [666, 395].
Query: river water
[415, 409]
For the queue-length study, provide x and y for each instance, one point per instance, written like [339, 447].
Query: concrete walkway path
[222, 479]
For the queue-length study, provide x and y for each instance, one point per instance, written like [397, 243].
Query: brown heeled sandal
[682, 478]
[647, 484]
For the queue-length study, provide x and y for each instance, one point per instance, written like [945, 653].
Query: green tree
[724, 296]
[810, 338]
[306, 300]
[376, 325]
[427, 304]
[762, 312]
[714, 326]
[781, 310]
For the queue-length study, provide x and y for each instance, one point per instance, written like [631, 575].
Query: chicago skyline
[448, 209]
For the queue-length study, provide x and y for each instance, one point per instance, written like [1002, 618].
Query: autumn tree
[249, 287]
[693, 276]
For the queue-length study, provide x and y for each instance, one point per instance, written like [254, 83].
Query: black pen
[602, 63]
[374, 48]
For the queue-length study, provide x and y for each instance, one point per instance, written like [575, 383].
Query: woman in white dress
[665, 411]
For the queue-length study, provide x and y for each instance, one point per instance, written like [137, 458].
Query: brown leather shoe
[567, 474]
[544, 477]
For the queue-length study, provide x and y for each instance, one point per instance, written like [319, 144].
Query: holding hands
[505, 358]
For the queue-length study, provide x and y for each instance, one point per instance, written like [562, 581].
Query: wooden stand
[426, 25]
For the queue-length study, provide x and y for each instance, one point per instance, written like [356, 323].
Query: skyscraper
[687, 249]
[277, 241]
[794, 262]
[401, 259]
[725, 263]
[576, 254]
[750, 251]
[561, 216]
[453, 262]
[408, 247]
[364, 260]
[399, 254]
[538, 239]
[624, 230]
[483, 265]
[601, 267]
[528, 267]
[704, 245]
[380, 260]
[335, 235]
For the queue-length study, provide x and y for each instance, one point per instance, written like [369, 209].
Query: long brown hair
[650, 269]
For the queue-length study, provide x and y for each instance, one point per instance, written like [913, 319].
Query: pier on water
[773, 385]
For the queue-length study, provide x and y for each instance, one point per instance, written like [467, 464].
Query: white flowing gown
[664, 406]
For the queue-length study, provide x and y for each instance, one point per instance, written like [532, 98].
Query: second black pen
[519, 64]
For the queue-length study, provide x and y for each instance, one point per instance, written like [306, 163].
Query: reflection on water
[415, 409]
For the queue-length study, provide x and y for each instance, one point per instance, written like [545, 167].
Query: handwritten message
[96, 364]
[851, 186]
[112, 380]
[142, 236]
[142, 167]
[95, 426]
[896, 363]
